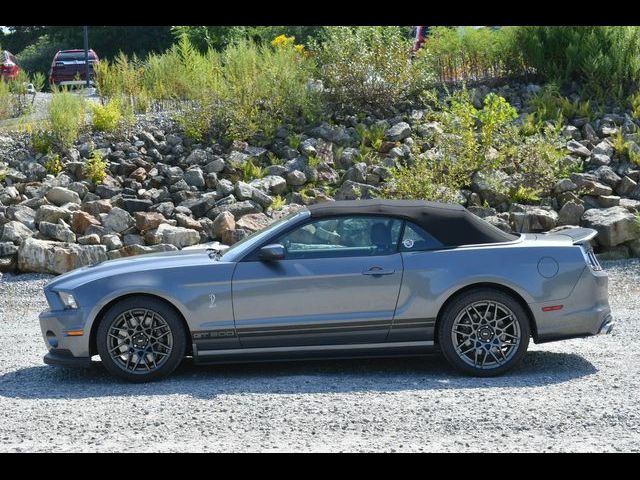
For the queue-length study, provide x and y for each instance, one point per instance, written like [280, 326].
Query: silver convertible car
[336, 279]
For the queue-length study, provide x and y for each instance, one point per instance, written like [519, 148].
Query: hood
[134, 264]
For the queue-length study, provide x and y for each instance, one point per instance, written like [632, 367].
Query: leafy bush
[278, 203]
[604, 59]
[368, 68]
[251, 171]
[478, 141]
[41, 139]
[37, 56]
[54, 165]
[95, 168]
[526, 195]
[634, 102]
[106, 118]
[550, 105]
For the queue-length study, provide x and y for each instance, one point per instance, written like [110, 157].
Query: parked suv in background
[9, 68]
[68, 68]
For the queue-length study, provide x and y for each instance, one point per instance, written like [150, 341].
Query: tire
[477, 342]
[146, 336]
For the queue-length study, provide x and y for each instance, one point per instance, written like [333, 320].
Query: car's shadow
[538, 368]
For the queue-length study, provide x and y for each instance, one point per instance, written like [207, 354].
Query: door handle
[378, 271]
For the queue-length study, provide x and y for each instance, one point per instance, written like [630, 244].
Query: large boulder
[57, 231]
[15, 232]
[60, 195]
[45, 256]
[533, 219]
[570, 213]
[253, 222]
[51, 213]
[81, 220]
[398, 132]
[149, 220]
[177, 236]
[223, 223]
[615, 225]
[118, 220]
[351, 190]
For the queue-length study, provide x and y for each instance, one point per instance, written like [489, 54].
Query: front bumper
[64, 335]
[64, 358]
[584, 313]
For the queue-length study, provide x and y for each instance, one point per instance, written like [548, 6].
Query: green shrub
[478, 141]
[66, 117]
[37, 56]
[38, 80]
[294, 141]
[634, 102]
[278, 203]
[41, 140]
[251, 171]
[313, 161]
[6, 104]
[54, 165]
[604, 59]
[3, 175]
[550, 105]
[368, 68]
[107, 118]
[95, 168]
[526, 195]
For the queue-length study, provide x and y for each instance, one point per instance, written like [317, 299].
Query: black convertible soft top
[450, 223]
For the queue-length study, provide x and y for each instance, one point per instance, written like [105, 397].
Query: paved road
[577, 395]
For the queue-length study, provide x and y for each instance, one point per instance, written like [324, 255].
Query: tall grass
[471, 54]
[66, 117]
[605, 60]
[239, 92]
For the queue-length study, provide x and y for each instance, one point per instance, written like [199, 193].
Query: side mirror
[271, 252]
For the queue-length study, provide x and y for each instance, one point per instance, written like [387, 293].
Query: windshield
[77, 56]
[238, 250]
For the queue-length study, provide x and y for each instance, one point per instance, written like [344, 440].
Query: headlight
[67, 300]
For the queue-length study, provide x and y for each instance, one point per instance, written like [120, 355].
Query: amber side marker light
[552, 308]
[74, 333]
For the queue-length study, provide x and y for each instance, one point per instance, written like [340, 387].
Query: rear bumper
[607, 326]
[584, 313]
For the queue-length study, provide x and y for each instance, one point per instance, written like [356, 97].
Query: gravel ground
[576, 395]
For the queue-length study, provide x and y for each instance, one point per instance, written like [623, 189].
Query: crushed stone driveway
[576, 395]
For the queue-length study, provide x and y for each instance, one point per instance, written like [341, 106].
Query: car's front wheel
[141, 339]
[484, 332]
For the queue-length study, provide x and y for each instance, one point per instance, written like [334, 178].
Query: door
[338, 284]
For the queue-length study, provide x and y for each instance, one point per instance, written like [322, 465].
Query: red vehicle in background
[9, 68]
[69, 68]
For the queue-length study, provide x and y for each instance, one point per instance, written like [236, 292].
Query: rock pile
[163, 192]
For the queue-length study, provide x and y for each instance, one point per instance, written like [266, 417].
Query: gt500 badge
[408, 243]
[212, 300]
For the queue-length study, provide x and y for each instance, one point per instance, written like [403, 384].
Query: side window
[352, 236]
[416, 238]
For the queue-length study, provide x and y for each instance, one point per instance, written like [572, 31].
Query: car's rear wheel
[484, 332]
[141, 339]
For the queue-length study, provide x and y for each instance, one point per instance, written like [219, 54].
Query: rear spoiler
[577, 235]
